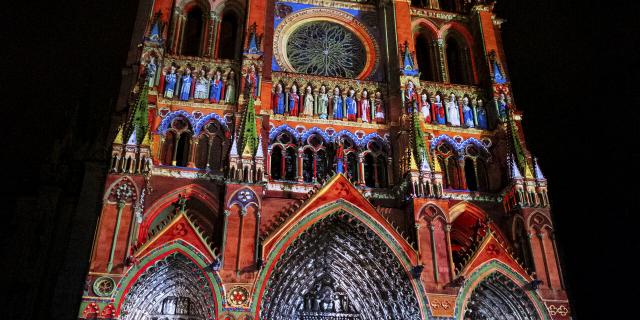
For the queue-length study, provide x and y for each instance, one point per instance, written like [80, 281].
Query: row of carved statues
[338, 104]
[203, 84]
[455, 111]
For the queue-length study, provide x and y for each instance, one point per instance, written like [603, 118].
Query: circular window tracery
[327, 49]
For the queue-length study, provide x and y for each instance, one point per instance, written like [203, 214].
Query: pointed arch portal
[339, 269]
[172, 287]
[498, 297]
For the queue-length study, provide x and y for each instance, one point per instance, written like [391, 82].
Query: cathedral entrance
[339, 269]
[172, 289]
[497, 297]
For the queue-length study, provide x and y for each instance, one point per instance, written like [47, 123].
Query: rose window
[327, 49]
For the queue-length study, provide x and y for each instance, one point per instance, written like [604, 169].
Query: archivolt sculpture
[339, 269]
[172, 287]
[497, 297]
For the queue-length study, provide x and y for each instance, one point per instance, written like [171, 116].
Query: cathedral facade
[321, 159]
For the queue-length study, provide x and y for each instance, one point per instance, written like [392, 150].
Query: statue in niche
[340, 157]
[187, 84]
[438, 110]
[351, 104]
[278, 100]
[170, 80]
[230, 88]
[217, 87]
[410, 96]
[365, 106]
[150, 71]
[336, 104]
[309, 102]
[323, 102]
[425, 107]
[482, 115]
[251, 82]
[502, 106]
[202, 85]
[155, 33]
[378, 105]
[294, 101]
[453, 111]
[467, 113]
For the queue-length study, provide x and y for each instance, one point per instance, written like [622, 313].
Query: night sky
[69, 54]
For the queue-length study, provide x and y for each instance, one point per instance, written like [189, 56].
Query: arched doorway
[339, 269]
[174, 286]
[498, 297]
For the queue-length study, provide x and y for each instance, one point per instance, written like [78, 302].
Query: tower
[323, 160]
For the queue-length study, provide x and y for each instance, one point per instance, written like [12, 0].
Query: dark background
[566, 61]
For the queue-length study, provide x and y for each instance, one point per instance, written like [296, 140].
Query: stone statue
[187, 85]
[365, 106]
[170, 80]
[217, 88]
[230, 88]
[150, 71]
[278, 100]
[425, 107]
[453, 111]
[410, 96]
[502, 106]
[467, 113]
[323, 102]
[251, 82]
[309, 102]
[202, 85]
[336, 104]
[378, 105]
[294, 101]
[351, 105]
[482, 115]
[438, 109]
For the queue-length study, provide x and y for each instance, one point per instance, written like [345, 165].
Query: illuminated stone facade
[312, 159]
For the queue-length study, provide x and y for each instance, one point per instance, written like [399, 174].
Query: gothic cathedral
[322, 159]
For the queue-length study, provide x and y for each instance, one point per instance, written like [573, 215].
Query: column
[361, 170]
[214, 20]
[444, 77]
[299, 168]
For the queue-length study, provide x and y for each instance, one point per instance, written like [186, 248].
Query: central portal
[339, 269]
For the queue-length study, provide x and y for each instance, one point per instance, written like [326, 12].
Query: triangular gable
[180, 227]
[492, 249]
[337, 188]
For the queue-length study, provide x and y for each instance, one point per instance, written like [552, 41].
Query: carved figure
[309, 102]
[187, 84]
[323, 102]
[230, 91]
[467, 113]
[482, 115]
[351, 105]
[453, 110]
[425, 107]
[217, 88]
[202, 85]
[170, 80]
[336, 104]
[278, 100]
[365, 106]
[294, 101]
[439, 110]
[378, 104]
